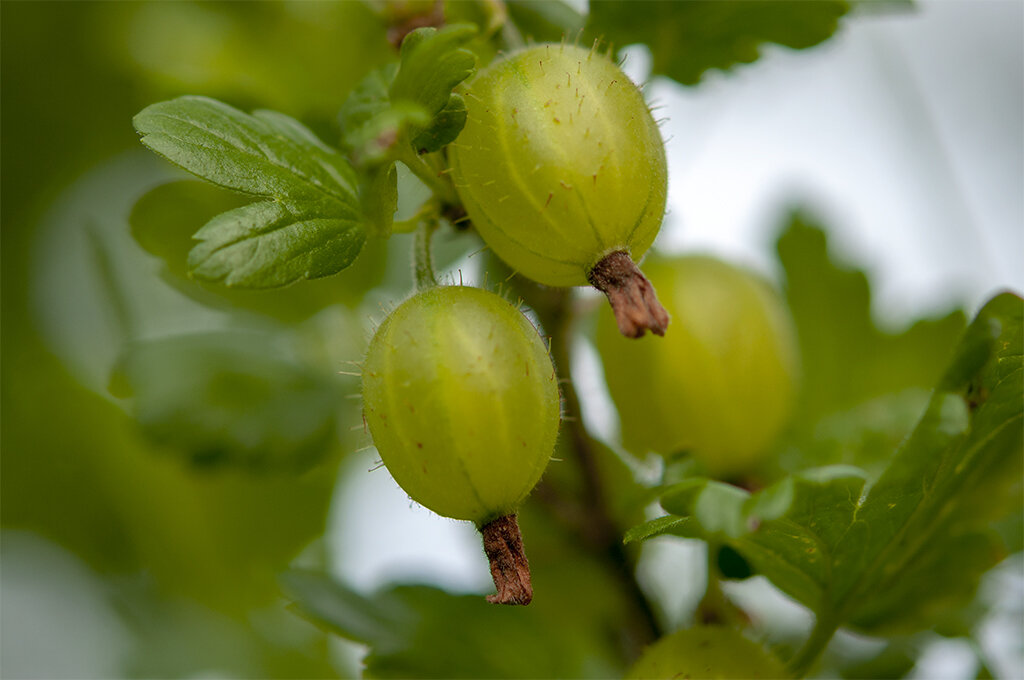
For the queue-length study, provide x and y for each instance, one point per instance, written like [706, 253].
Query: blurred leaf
[300, 58]
[669, 524]
[310, 227]
[688, 38]
[164, 219]
[862, 389]
[847, 359]
[545, 20]
[424, 632]
[706, 652]
[371, 124]
[914, 547]
[230, 399]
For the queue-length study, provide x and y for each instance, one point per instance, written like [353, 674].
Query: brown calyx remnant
[631, 295]
[511, 572]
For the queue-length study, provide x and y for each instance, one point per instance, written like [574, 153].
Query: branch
[589, 517]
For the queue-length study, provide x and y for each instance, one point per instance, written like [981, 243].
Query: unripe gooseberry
[721, 386]
[461, 399]
[706, 652]
[562, 170]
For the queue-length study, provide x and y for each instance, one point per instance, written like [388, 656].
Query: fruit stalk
[510, 569]
[631, 295]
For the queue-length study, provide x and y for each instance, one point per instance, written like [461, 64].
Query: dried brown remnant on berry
[510, 570]
[631, 295]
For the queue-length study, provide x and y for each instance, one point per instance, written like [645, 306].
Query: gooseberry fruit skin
[710, 652]
[721, 385]
[461, 400]
[560, 162]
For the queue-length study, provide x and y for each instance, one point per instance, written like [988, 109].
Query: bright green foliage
[711, 652]
[460, 397]
[721, 384]
[229, 399]
[560, 162]
[688, 38]
[912, 548]
[309, 225]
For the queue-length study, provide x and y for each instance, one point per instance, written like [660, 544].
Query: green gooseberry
[721, 386]
[562, 170]
[462, 401]
[713, 652]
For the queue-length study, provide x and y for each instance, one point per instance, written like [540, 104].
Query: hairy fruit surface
[461, 400]
[721, 386]
[560, 165]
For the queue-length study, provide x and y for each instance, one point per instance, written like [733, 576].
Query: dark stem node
[631, 295]
[509, 568]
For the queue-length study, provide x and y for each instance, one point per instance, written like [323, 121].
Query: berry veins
[461, 399]
[562, 170]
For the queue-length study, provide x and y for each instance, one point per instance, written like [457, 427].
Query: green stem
[821, 635]
[715, 607]
[422, 261]
[441, 187]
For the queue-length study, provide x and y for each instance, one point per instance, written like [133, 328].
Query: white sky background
[905, 133]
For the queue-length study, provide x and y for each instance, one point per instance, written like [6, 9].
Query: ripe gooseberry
[721, 387]
[461, 399]
[562, 170]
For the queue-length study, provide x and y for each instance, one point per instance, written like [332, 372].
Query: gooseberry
[706, 652]
[721, 387]
[462, 402]
[562, 170]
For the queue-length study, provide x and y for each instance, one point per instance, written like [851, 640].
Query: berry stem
[422, 260]
[510, 569]
[631, 295]
[437, 183]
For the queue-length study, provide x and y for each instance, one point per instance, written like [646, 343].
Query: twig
[591, 518]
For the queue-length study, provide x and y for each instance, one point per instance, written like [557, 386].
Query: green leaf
[424, 632]
[412, 101]
[445, 127]
[689, 38]
[380, 198]
[433, 62]
[862, 388]
[847, 360]
[912, 549]
[229, 399]
[164, 219]
[669, 524]
[309, 227]
[371, 124]
[706, 652]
